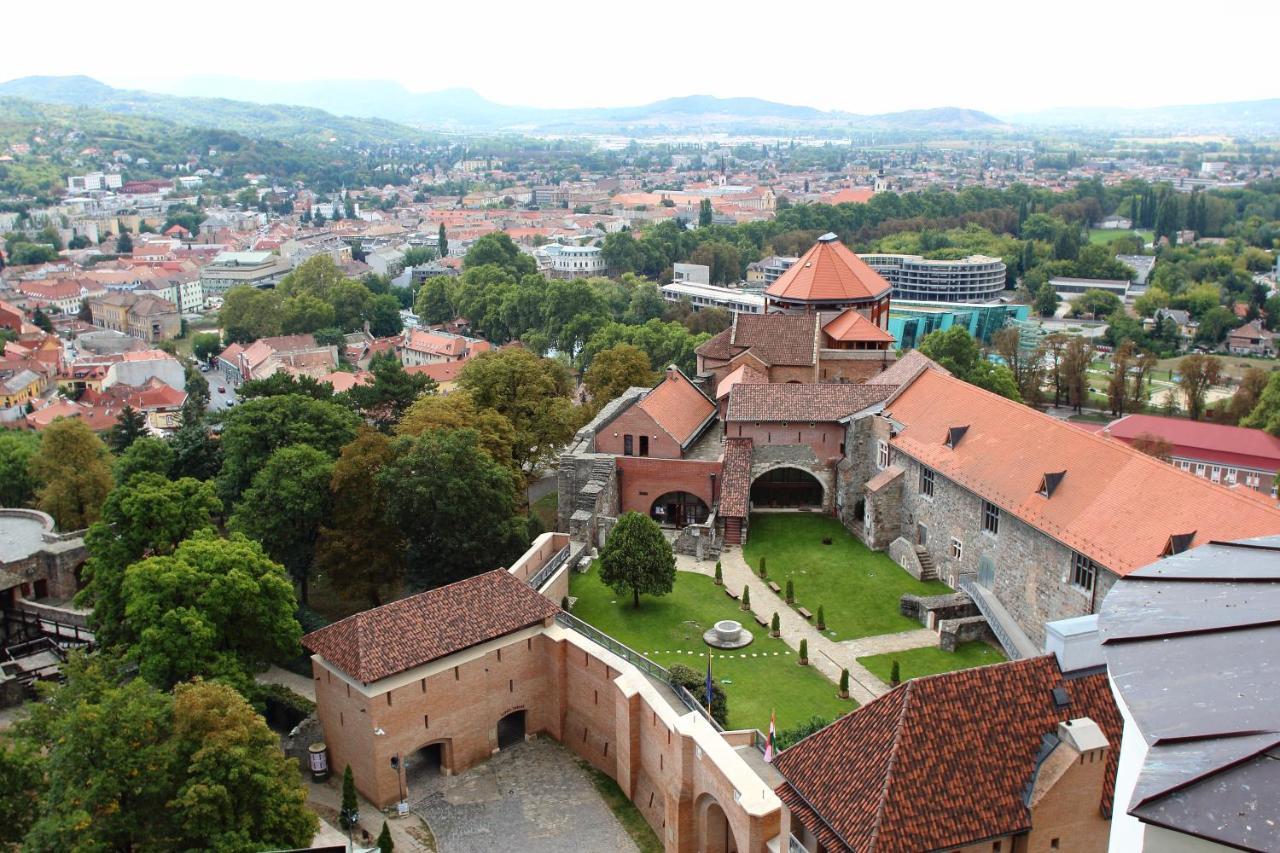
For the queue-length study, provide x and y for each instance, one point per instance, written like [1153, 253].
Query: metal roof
[1193, 647]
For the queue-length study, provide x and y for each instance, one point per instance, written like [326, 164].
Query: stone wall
[903, 553]
[953, 632]
[955, 605]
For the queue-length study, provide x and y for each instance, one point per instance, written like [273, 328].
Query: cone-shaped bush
[895, 675]
[746, 598]
[804, 652]
[844, 684]
[719, 574]
[791, 592]
[822, 619]
[385, 844]
[775, 627]
[764, 572]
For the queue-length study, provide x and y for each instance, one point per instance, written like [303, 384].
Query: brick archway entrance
[678, 509]
[511, 729]
[787, 487]
[714, 833]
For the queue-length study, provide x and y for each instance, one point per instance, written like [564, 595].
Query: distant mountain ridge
[465, 109]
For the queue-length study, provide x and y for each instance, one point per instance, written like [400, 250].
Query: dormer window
[1178, 542]
[954, 434]
[1050, 482]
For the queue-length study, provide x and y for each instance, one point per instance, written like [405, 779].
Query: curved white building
[976, 278]
[577, 262]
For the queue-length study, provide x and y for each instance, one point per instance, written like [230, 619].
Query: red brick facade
[643, 481]
[637, 423]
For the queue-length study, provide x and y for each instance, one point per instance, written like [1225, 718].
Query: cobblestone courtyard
[533, 797]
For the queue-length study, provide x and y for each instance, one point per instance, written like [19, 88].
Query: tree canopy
[74, 474]
[637, 558]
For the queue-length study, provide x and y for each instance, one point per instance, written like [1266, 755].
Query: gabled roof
[1229, 444]
[1193, 647]
[877, 776]
[430, 625]
[1115, 505]
[789, 339]
[677, 406]
[743, 373]
[829, 272]
[850, 326]
[795, 403]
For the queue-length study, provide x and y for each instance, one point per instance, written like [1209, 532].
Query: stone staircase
[928, 571]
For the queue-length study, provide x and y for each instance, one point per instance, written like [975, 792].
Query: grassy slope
[918, 662]
[760, 678]
[858, 587]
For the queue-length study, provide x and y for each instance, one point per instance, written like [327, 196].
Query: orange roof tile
[849, 325]
[1115, 505]
[677, 406]
[744, 373]
[829, 272]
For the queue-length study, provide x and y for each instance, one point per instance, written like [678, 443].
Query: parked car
[222, 389]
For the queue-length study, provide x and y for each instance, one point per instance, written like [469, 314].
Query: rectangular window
[957, 549]
[882, 455]
[926, 482]
[990, 518]
[1083, 572]
[644, 445]
[627, 448]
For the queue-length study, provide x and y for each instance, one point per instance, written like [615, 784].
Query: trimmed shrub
[822, 619]
[746, 598]
[791, 592]
[895, 675]
[844, 684]
[719, 574]
[764, 572]
[804, 652]
[775, 627]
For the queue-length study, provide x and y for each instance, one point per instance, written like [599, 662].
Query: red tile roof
[794, 403]
[677, 406]
[1231, 445]
[430, 625]
[849, 325]
[743, 373]
[735, 478]
[1115, 505]
[876, 776]
[829, 272]
[776, 338]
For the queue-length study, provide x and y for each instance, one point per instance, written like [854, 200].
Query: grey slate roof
[1193, 646]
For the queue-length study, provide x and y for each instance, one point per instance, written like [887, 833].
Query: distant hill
[1232, 117]
[273, 121]
[465, 109]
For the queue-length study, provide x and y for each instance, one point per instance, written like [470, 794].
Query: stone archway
[787, 487]
[511, 729]
[715, 835]
[679, 509]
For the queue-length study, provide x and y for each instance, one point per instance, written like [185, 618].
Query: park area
[1103, 236]
[858, 588]
[758, 679]
[914, 663]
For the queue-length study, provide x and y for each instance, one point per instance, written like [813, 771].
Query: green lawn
[760, 678]
[1106, 235]
[918, 662]
[859, 588]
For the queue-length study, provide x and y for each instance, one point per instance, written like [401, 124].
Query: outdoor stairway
[1016, 644]
[928, 571]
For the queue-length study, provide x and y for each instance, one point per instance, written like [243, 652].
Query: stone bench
[760, 620]
[777, 589]
[804, 612]
[730, 592]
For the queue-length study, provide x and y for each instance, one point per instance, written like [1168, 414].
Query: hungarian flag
[768, 744]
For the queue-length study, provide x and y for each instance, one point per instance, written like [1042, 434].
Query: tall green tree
[21, 781]
[130, 426]
[17, 486]
[384, 401]
[145, 455]
[497, 248]
[442, 241]
[532, 393]
[134, 768]
[214, 608]
[147, 515]
[455, 505]
[248, 313]
[205, 345]
[1266, 412]
[615, 370]
[256, 428]
[704, 213]
[285, 506]
[74, 474]
[360, 550]
[637, 558]
[457, 410]
[432, 304]
[1196, 375]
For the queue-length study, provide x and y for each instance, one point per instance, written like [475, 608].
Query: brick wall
[824, 439]
[643, 481]
[636, 423]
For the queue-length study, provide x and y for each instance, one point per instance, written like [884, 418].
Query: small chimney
[1075, 643]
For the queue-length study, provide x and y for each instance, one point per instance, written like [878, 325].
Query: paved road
[532, 797]
[218, 400]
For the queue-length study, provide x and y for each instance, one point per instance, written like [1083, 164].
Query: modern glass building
[910, 321]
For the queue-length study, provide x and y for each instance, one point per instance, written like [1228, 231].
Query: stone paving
[825, 654]
[533, 797]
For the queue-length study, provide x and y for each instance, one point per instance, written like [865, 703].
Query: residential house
[147, 318]
[297, 354]
[1252, 339]
[426, 346]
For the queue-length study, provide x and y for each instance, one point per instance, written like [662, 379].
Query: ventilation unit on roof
[954, 434]
[1061, 698]
[1178, 542]
[1051, 482]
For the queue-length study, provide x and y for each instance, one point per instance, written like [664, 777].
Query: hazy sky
[856, 55]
